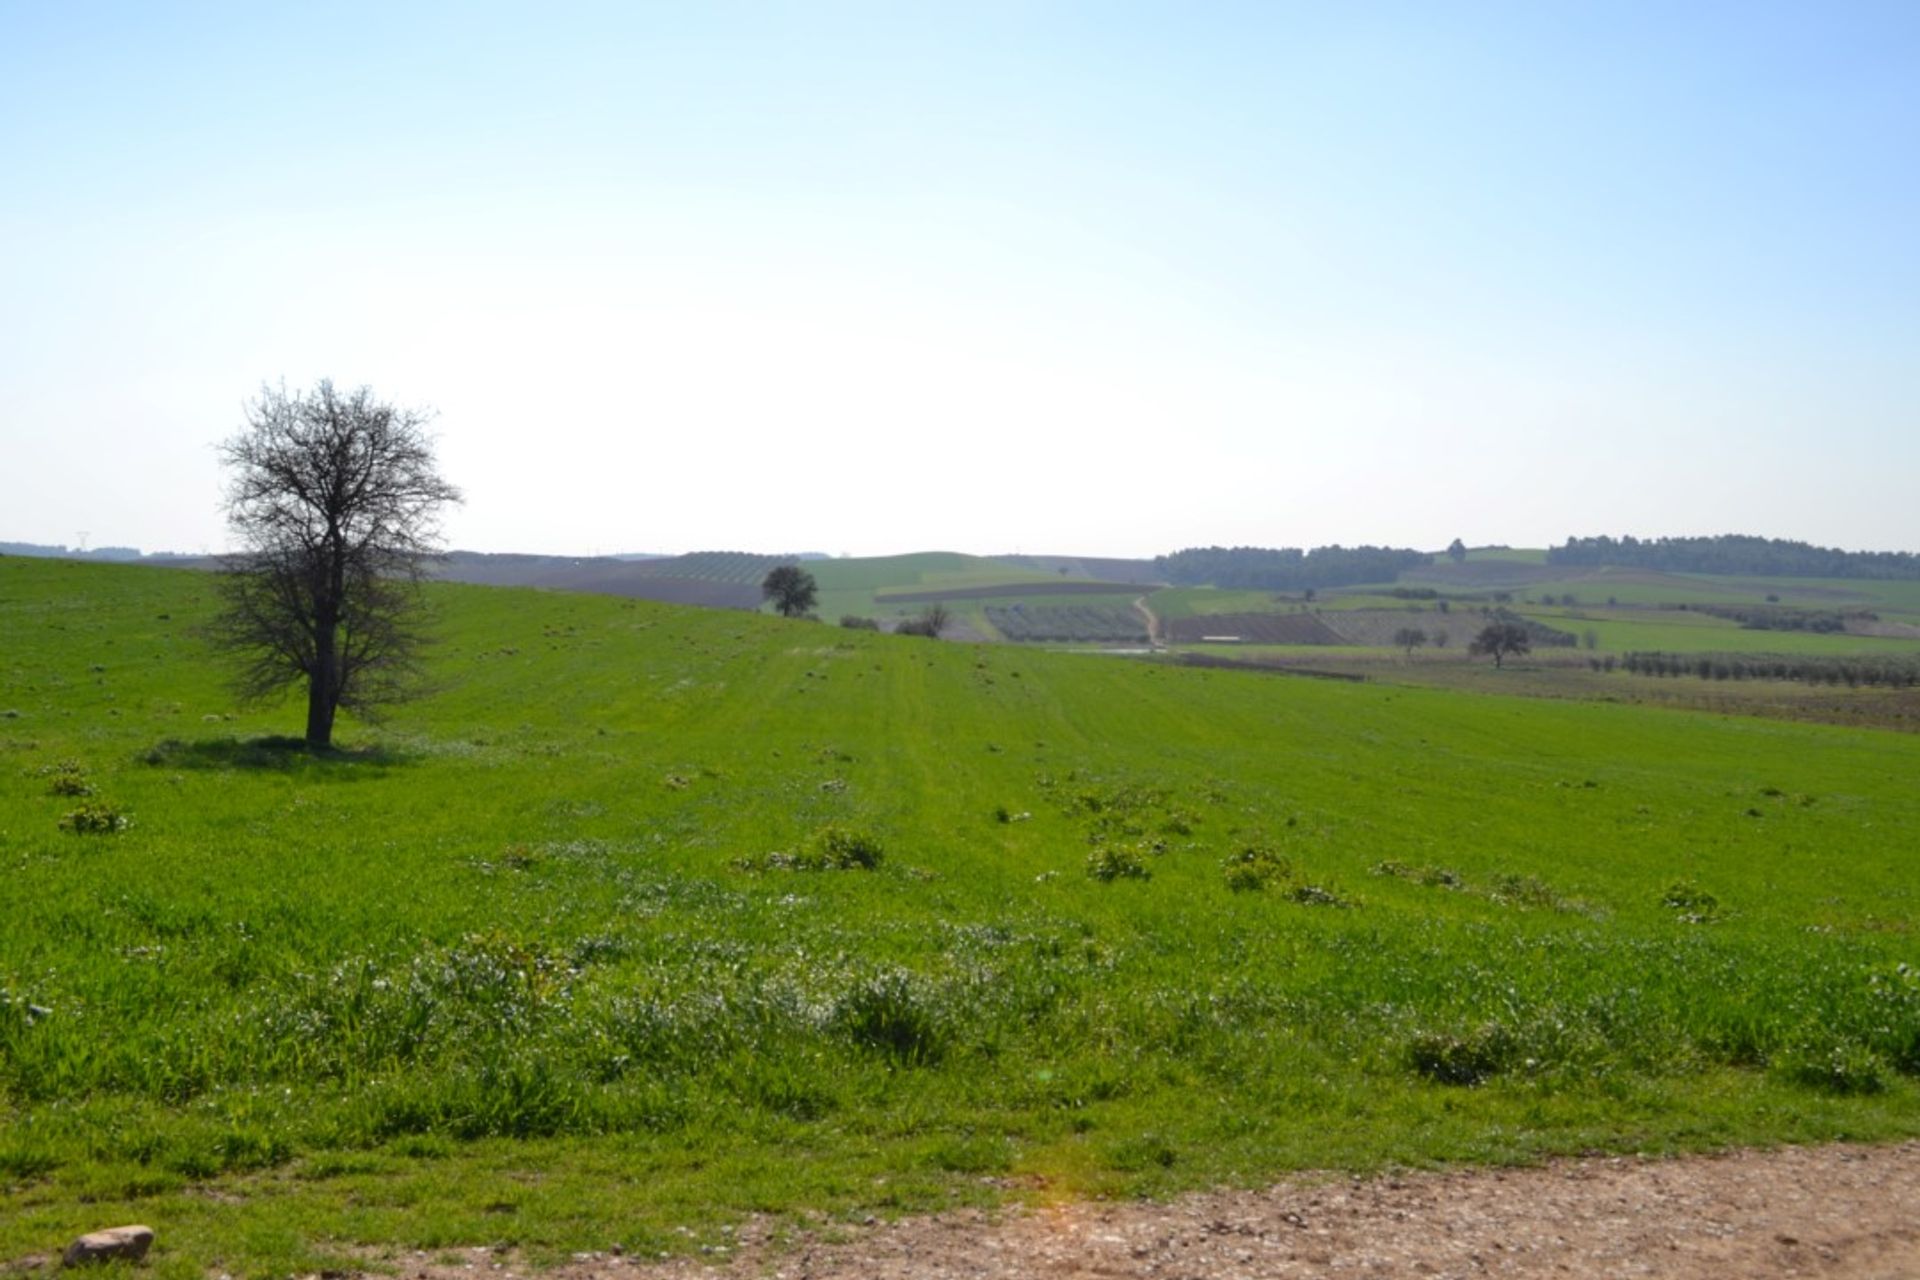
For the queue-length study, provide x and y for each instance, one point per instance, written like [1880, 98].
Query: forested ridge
[1287, 568]
[1736, 553]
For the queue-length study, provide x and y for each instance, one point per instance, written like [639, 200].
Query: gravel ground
[1829, 1211]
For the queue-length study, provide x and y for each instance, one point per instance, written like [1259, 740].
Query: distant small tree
[1409, 639]
[854, 622]
[1440, 639]
[1502, 640]
[791, 589]
[1456, 551]
[932, 621]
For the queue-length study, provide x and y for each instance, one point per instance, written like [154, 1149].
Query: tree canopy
[1502, 640]
[791, 589]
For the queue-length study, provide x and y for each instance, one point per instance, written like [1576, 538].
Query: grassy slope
[506, 982]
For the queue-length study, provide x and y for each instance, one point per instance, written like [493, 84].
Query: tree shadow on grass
[287, 755]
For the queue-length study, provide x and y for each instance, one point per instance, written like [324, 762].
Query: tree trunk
[323, 687]
[319, 717]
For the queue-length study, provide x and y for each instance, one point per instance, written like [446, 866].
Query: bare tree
[334, 500]
[930, 623]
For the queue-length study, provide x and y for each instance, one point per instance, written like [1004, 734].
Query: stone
[130, 1243]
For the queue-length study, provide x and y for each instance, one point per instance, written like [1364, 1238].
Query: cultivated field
[655, 918]
[1073, 623]
[710, 579]
[1254, 628]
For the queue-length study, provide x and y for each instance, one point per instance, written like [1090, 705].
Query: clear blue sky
[1114, 278]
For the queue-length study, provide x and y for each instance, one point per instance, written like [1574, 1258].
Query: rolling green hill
[860, 585]
[655, 917]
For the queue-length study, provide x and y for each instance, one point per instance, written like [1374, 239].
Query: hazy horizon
[1058, 278]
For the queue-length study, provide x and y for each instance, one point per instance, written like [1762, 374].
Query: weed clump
[842, 849]
[67, 778]
[890, 1014]
[1693, 904]
[829, 849]
[1894, 997]
[1254, 868]
[96, 820]
[1844, 1070]
[1143, 1154]
[1313, 895]
[973, 1154]
[1110, 862]
[1431, 877]
[1525, 891]
[1468, 1059]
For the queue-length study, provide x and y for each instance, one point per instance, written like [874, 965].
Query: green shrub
[95, 820]
[67, 778]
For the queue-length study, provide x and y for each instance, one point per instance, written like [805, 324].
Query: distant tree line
[1890, 670]
[1287, 568]
[1773, 617]
[53, 551]
[1737, 554]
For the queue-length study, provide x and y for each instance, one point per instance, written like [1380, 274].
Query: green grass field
[1620, 630]
[1200, 602]
[582, 950]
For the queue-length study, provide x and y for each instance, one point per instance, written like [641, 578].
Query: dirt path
[1832, 1211]
[1153, 622]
